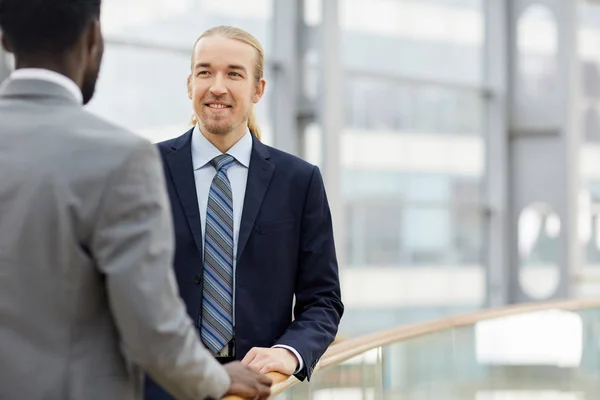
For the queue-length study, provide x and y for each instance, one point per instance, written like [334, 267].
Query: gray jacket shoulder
[100, 143]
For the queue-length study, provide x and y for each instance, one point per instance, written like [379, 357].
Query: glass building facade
[417, 166]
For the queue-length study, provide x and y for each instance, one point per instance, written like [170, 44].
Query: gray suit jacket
[87, 291]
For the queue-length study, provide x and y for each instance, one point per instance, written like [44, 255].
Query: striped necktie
[217, 304]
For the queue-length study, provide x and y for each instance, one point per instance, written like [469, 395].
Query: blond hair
[241, 35]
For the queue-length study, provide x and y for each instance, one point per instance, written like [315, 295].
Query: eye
[202, 73]
[235, 74]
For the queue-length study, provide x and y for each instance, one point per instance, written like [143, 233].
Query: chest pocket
[274, 227]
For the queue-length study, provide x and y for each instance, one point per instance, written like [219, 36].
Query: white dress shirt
[49, 76]
[203, 152]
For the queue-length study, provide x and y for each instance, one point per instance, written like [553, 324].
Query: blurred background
[459, 139]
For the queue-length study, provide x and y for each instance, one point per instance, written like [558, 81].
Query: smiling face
[222, 86]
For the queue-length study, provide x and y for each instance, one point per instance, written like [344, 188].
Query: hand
[276, 359]
[247, 383]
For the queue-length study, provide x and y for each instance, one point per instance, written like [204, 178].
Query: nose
[218, 87]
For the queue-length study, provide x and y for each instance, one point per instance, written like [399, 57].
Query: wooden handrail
[353, 347]
[347, 349]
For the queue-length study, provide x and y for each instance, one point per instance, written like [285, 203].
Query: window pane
[437, 40]
[177, 23]
[144, 90]
[411, 187]
[589, 214]
[395, 234]
[386, 104]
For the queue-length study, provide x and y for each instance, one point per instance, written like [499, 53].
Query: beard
[215, 124]
[88, 87]
[90, 77]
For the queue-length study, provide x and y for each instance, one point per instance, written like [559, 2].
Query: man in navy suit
[253, 226]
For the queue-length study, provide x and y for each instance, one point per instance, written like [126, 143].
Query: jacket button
[198, 278]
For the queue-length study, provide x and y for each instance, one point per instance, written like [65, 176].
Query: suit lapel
[259, 177]
[182, 172]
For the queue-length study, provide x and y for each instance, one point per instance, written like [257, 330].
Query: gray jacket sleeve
[133, 247]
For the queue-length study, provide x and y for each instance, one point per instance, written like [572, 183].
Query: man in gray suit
[87, 292]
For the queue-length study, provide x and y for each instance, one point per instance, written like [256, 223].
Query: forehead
[222, 51]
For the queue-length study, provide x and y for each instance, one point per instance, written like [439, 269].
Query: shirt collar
[49, 76]
[203, 151]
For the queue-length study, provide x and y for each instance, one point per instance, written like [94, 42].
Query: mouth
[217, 106]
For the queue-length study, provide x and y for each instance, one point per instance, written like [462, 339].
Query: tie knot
[222, 162]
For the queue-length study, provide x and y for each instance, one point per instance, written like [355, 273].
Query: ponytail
[253, 125]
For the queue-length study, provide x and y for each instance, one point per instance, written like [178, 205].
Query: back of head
[45, 26]
[59, 35]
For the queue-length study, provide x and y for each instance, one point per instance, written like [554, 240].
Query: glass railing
[529, 352]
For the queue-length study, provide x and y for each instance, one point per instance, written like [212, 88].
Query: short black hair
[34, 26]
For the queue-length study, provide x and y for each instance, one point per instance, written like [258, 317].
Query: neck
[226, 141]
[59, 66]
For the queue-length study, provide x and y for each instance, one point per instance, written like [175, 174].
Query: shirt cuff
[300, 362]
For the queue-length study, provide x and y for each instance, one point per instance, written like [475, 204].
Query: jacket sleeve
[319, 307]
[133, 247]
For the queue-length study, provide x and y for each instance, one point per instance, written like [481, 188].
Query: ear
[94, 41]
[189, 86]
[259, 90]
[6, 45]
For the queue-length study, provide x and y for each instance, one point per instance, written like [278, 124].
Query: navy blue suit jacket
[285, 248]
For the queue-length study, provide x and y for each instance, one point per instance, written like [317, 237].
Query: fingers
[243, 391]
[256, 358]
[265, 360]
[250, 356]
[247, 383]
[264, 392]
[258, 364]
[247, 392]
[261, 388]
[265, 380]
[270, 367]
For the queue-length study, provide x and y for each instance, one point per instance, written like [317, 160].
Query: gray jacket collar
[35, 89]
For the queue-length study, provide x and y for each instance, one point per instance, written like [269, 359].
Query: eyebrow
[230, 66]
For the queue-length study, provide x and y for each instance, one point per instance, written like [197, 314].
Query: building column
[543, 149]
[286, 75]
[496, 131]
[331, 117]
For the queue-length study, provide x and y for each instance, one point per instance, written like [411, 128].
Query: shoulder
[93, 128]
[290, 161]
[168, 146]
[107, 145]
